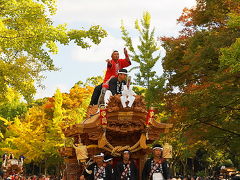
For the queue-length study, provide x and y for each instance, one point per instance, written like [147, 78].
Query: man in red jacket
[113, 66]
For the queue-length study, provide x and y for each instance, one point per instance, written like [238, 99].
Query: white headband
[122, 73]
[108, 160]
[158, 148]
[99, 155]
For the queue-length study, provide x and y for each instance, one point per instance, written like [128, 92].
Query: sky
[78, 64]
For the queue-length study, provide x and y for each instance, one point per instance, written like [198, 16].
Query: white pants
[158, 176]
[124, 99]
[107, 96]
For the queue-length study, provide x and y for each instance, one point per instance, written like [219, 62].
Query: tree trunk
[184, 164]
[45, 167]
[32, 168]
[192, 173]
[40, 168]
[172, 166]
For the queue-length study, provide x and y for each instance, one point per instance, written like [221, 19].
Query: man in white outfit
[128, 95]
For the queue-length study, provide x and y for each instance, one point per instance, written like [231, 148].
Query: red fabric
[105, 85]
[112, 68]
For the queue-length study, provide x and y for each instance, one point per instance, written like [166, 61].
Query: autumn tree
[37, 133]
[11, 107]
[202, 63]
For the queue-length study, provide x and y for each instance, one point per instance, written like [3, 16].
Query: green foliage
[11, 105]
[234, 20]
[201, 174]
[28, 37]
[147, 48]
[94, 81]
[10, 108]
[144, 56]
[227, 163]
[139, 90]
[230, 57]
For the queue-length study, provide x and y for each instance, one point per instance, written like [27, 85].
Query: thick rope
[103, 143]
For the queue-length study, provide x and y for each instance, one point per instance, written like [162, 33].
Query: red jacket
[112, 68]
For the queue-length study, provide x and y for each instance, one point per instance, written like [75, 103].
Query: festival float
[111, 130]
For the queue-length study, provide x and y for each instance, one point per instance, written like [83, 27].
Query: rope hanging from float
[103, 143]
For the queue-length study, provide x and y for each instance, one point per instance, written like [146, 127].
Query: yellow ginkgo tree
[28, 37]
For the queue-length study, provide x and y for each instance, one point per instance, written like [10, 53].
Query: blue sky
[79, 64]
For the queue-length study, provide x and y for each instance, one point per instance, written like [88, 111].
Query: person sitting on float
[128, 95]
[116, 85]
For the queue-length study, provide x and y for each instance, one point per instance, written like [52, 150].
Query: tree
[27, 39]
[144, 57]
[203, 64]
[75, 104]
[10, 108]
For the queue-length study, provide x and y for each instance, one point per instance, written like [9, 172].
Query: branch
[27, 37]
[217, 127]
[209, 124]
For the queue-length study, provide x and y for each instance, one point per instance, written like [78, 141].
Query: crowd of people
[34, 177]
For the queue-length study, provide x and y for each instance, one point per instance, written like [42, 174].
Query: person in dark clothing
[97, 170]
[113, 66]
[108, 161]
[126, 169]
[4, 156]
[116, 85]
[11, 156]
[96, 94]
[156, 168]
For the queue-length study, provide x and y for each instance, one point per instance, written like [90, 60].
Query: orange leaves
[77, 96]
[208, 14]
[185, 68]
[186, 17]
[48, 106]
[197, 87]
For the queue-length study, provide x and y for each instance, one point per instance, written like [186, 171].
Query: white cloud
[103, 51]
[98, 53]
[109, 13]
